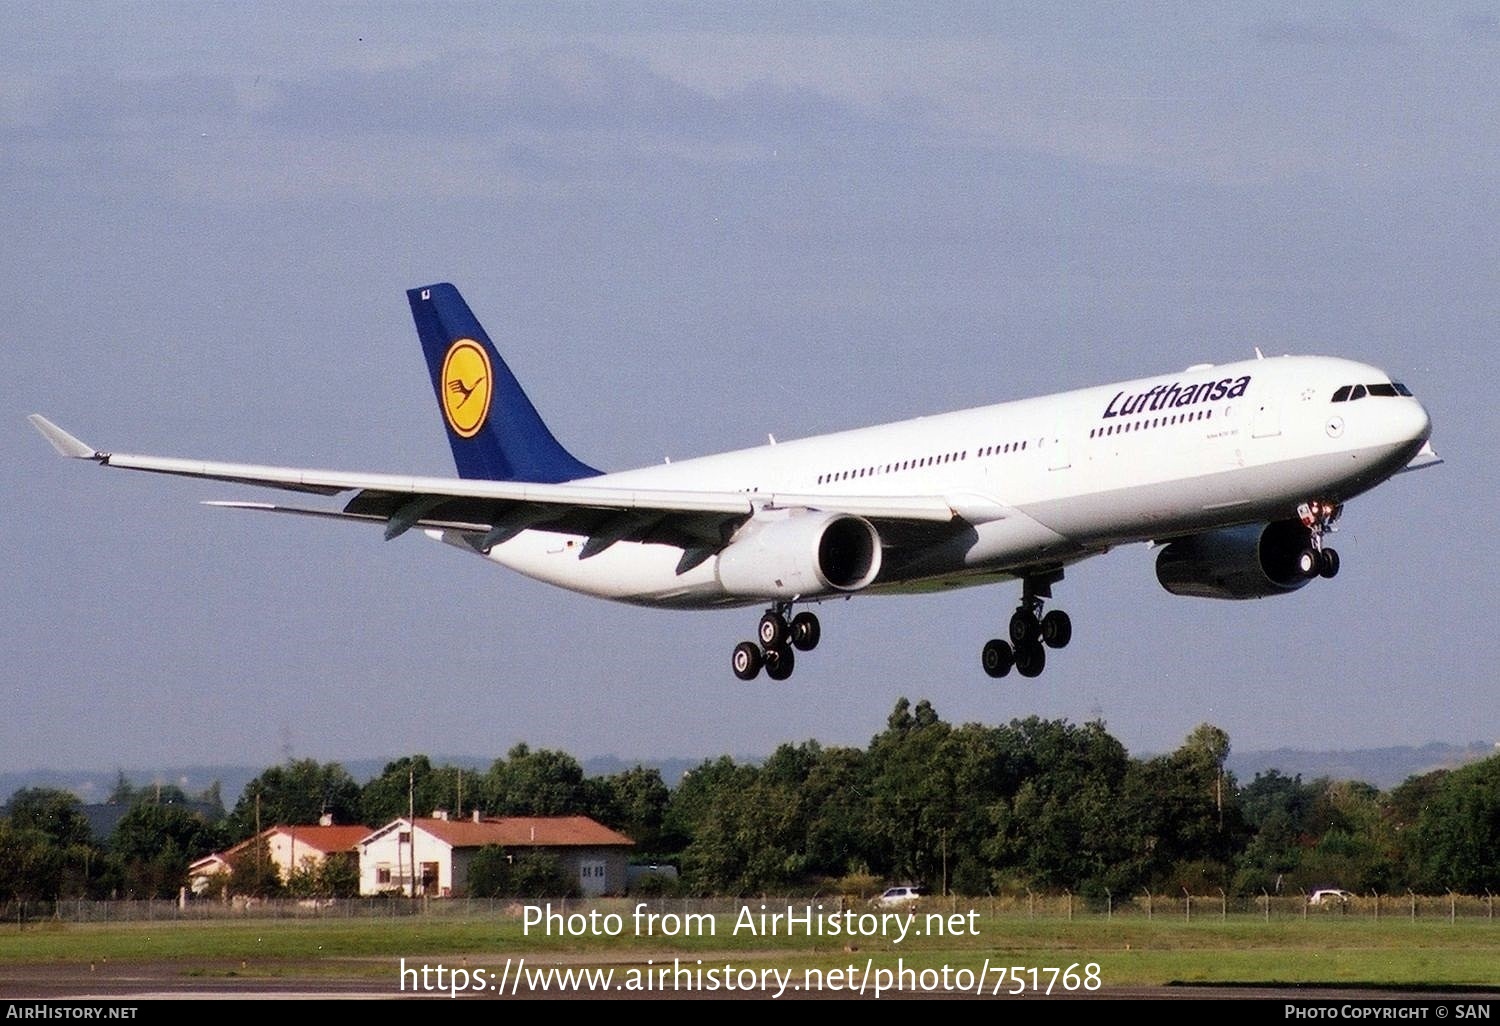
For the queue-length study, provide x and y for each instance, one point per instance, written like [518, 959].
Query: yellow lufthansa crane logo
[466, 387]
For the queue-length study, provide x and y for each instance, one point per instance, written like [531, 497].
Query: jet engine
[1250, 561]
[784, 554]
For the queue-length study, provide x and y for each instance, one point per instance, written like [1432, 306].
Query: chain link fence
[1035, 905]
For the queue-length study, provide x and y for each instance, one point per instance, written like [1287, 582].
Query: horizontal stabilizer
[64, 443]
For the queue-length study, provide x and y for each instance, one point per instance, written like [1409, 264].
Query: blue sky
[687, 226]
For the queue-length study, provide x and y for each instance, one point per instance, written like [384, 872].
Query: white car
[899, 897]
[1329, 896]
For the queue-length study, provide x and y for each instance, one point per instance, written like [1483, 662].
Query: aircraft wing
[496, 511]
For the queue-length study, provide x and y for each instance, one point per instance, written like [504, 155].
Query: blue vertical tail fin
[495, 432]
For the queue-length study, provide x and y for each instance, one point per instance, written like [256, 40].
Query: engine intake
[1250, 561]
[784, 554]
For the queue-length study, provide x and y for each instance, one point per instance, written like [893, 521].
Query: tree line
[971, 808]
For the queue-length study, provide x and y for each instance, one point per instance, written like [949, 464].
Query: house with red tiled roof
[431, 855]
[290, 848]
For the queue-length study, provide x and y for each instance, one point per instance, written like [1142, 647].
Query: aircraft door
[1059, 452]
[1267, 421]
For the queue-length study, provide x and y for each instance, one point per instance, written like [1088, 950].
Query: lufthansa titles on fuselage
[1160, 397]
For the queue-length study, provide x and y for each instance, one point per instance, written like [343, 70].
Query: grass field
[1129, 951]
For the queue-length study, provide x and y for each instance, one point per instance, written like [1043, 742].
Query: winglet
[64, 443]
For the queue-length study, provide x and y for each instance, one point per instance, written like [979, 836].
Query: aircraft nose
[1415, 422]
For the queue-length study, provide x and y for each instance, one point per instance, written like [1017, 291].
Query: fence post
[1266, 897]
[1187, 904]
[1413, 904]
[1223, 905]
[1070, 903]
[1377, 904]
[1452, 907]
[1109, 904]
[1148, 904]
[1030, 904]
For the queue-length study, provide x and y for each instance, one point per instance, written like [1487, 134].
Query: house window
[383, 873]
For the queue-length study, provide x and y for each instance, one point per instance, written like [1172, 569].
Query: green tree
[540, 874]
[1457, 838]
[57, 813]
[635, 803]
[31, 863]
[911, 793]
[252, 871]
[538, 783]
[1056, 821]
[126, 793]
[700, 790]
[336, 876]
[489, 872]
[1182, 809]
[837, 814]
[412, 782]
[154, 844]
[299, 792]
[1277, 811]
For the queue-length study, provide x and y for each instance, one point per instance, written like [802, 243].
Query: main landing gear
[1031, 633]
[779, 636]
[1318, 518]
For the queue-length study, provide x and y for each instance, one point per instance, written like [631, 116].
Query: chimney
[476, 815]
[440, 814]
[326, 819]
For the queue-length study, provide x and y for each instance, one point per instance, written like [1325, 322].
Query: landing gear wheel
[806, 631]
[1328, 563]
[746, 660]
[1308, 562]
[997, 658]
[780, 662]
[773, 630]
[1024, 628]
[1057, 629]
[1031, 659]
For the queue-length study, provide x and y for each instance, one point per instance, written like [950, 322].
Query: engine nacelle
[1251, 561]
[784, 554]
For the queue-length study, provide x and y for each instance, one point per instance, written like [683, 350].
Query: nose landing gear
[1319, 517]
[779, 638]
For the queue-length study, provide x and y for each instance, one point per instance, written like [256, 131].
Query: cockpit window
[1386, 389]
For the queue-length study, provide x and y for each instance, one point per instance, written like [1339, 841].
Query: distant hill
[95, 785]
[1382, 767]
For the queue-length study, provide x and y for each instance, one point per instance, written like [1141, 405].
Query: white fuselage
[1035, 482]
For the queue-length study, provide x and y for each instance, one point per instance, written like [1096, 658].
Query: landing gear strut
[1031, 632]
[779, 636]
[1318, 517]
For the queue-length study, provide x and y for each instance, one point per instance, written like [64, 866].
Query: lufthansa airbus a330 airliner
[1236, 472]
